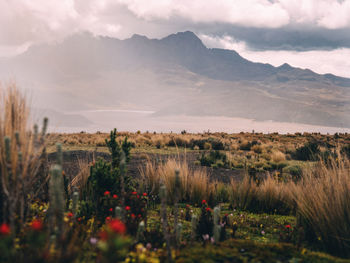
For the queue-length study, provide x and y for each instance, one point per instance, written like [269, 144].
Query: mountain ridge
[178, 74]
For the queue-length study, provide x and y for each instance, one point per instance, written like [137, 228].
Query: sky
[311, 34]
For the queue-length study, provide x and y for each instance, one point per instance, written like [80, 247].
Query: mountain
[175, 75]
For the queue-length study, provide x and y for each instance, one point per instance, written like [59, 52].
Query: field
[150, 197]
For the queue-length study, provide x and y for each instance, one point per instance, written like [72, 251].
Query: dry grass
[20, 167]
[271, 196]
[322, 199]
[278, 157]
[80, 180]
[195, 184]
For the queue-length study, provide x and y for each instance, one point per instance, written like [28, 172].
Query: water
[134, 120]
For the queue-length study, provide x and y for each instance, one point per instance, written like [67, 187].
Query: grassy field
[210, 197]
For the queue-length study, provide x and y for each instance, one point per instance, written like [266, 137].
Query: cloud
[320, 61]
[255, 25]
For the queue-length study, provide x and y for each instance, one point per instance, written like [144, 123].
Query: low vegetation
[289, 205]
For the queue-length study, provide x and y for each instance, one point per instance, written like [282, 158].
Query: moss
[250, 251]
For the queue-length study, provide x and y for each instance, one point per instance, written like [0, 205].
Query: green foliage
[214, 159]
[205, 223]
[308, 152]
[105, 177]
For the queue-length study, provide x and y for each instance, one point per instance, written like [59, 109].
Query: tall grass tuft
[195, 184]
[270, 196]
[20, 155]
[323, 203]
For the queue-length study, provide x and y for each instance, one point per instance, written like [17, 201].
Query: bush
[214, 159]
[308, 152]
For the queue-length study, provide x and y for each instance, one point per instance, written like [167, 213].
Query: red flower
[288, 226]
[108, 218]
[208, 209]
[188, 206]
[103, 235]
[134, 193]
[111, 210]
[79, 219]
[138, 196]
[127, 208]
[204, 202]
[133, 215]
[115, 196]
[144, 194]
[138, 215]
[5, 229]
[106, 193]
[70, 214]
[117, 226]
[37, 225]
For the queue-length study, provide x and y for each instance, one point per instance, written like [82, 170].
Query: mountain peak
[139, 37]
[187, 37]
[285, 66]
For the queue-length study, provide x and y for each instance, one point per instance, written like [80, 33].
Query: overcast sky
[311, 34]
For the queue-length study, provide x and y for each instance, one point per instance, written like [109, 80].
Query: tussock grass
[323, 203]
[20, 181]
[195, 184]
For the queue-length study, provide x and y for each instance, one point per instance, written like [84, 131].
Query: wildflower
[138, 196]
[205, 237]
[93, 241]
[5, 229]
[204, 201]
[187, 205]
[127, 208]
[115, 196]
[108, 218]
[288, 226]
[144, 194]
[79, 219]
[208, 209]
[134, 193]
[36, 225]
[117, 226]
[133, 215]
[106, 193]
[70, 214]
[111, 210]
[263, 232]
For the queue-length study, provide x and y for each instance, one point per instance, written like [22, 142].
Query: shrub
[278, 156]
[308, 152]
[214, 159]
